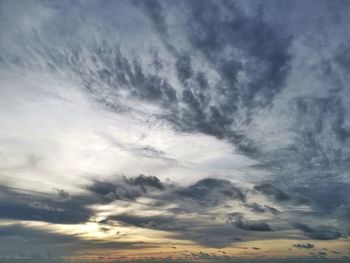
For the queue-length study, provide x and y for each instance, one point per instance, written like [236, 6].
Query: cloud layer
[208, 123]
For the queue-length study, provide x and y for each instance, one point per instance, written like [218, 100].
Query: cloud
[17, 205]
[126, 188]
[197, 212]
[252, 225]
[19, 239]
[204, 232]
[213, 191]
[343, 212]
[320, 232]
[154, 10]
[145, 181]
[304, 245]
[296, 197]
[151, 222]
[243, 106]
[272, 191]
[255, 207]
[251, 65]
[184, 67]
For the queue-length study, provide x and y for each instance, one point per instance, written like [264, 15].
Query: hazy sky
[197, 129]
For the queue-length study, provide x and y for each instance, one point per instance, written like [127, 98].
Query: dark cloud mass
[252, 226]
[304, 245]
[127, 188]
[212, 191]
[49, 208]
[209, 122]
[272, 191]
[319, 232]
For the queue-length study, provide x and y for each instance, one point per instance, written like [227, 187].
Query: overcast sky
[205, 130]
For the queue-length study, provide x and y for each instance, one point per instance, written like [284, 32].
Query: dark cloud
[304, 245]
[154, 10]
[61, 207]
[145, 181]
[272, 191]
[215, 30]
[252, 225]
[212, 191]
[255, 207]
[126, 188]
[343, 212]
[320, 232]
[342, 58]
[327, 198]
[110, 191]
[197, 229]
[63, 195]
[38, 207]
[184, 67]
[296, 197]
[152, 222]
[190, 217]
[212, 31]
[316, 114]
[21, 241]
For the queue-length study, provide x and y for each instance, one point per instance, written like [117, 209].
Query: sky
[168, 131]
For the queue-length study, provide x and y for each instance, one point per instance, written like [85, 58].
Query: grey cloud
[261, 209]
[304, 245]
[110, 191]
[126, 188]
[296, 197]
[326, 198]
[343, 59]
[200, 196]
[16, 239]
[236, 67]
[195, 200]
[212, 34]
[155, 11]
[63, 195]
[320, 232]
[145, 181]
[190, 228]
[61, 207]
[314, 152]
[272, 191]
[183, 67]
[265, 50]
[252, 225]
[343, 212]
[111, 68]
[190, 216]
[152, 222]
[212, 191]
[37, 207]
[215, 107]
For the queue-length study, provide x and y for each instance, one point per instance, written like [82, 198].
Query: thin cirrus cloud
[211, 123]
